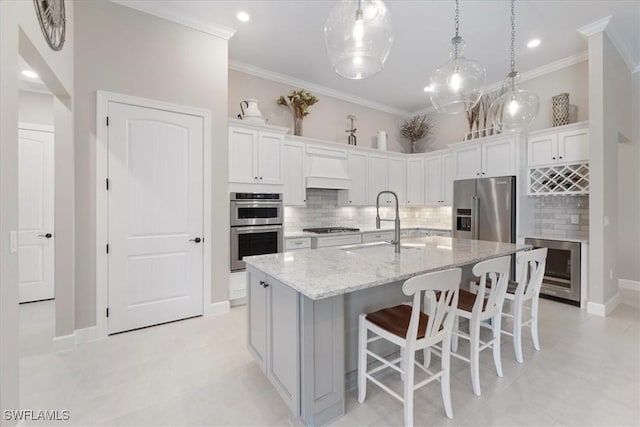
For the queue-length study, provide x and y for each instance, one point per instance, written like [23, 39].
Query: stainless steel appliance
[256, 226]
[562, 272]
[485, 209]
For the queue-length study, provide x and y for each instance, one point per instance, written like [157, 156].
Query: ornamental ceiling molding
[603, 26]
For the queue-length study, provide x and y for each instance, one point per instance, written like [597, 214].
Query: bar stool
[531, 265]
[478, 309]
[411, 329]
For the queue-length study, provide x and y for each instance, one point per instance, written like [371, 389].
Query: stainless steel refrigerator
[485, 209]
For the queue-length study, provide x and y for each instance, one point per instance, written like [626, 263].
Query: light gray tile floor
[198, 372]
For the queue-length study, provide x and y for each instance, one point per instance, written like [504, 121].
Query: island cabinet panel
[283, 361]
[257, 316]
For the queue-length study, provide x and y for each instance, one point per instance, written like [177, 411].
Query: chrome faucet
[396, 240]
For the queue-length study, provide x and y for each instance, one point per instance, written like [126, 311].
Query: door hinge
[107, 120]
[107, 248]
[107, 182]
[107, 311]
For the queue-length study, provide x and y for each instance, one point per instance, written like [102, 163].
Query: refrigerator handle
[474, 217]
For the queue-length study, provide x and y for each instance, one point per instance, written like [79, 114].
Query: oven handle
[255, 203]
[248, 230]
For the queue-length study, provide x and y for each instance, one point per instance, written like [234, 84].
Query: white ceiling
[286, 37]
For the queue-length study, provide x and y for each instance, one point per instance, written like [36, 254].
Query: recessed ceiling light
[243, 17]
[533, 43]
[30, 74]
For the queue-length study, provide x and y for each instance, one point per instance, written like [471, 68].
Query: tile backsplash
[322, 210]
[553, 216]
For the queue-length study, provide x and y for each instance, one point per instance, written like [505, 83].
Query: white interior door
[35, 215]
[155, 231]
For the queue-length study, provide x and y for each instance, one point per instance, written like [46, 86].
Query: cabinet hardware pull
[197, 240]
[47, 236]
[255, 177]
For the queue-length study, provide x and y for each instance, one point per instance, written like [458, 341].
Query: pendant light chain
[457, 20]
[513, 37]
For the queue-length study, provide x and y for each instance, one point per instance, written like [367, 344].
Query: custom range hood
[327, 168]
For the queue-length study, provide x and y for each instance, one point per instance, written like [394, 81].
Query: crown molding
[595, 27]
[319, 89]
[623, 49]
[531, 74]
[153, 8]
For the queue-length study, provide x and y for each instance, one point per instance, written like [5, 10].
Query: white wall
[122, 50]
[21, 35]
[34, 107]
[572, 79]
[327, 119]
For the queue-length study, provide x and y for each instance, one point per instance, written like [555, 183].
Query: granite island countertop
[326, 272]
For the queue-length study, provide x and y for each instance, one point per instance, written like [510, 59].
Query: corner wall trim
[64, 342]
[595, 27]
[633, 285]
[217, 308]
[603, 310]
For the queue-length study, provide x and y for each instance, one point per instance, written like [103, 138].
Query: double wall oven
[256, 226]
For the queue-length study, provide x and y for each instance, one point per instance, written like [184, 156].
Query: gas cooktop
[327, 230]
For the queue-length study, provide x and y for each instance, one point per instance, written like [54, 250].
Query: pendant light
[515, 109]
[457, 85]
[358, 37]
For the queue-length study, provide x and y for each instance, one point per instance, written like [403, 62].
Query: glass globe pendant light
[457, 85]
[515, 109]
[358, 37]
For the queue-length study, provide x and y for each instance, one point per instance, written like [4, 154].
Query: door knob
[197, 240]
[48, 235]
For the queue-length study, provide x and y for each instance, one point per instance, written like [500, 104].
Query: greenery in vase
[299, 102]
[416, 128]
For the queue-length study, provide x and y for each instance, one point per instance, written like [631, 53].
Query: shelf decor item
[516, 108]
[415, 129]
[298, 102]
[560, 109]
[457, 85]
[358, 37]
[382, 140]
[479, 117]
[250, 112]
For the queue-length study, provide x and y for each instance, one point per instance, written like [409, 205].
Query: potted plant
[298, 102]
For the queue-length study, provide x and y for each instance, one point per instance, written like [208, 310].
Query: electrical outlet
[575, 219]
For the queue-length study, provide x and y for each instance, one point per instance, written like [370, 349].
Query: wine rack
[568, 179]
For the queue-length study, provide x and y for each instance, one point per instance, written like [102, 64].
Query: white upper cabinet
[447, 176]
[377, 178]
[356, 195]
[496, 157]
[439, 179]
[255, 156]
[415, 181]
[566, 144]
[293, 174]
[396, 178]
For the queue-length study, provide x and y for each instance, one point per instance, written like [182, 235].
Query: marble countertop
[298, 234]
[327, 272]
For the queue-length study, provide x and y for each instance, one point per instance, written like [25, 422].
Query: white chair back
[532, 265]
[497, 271]
[440, 302]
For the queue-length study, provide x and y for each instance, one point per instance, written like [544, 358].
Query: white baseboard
[603, 310]
[217, 308]
[85, 335]
[63, 343]
[633, 285]
[238, 301]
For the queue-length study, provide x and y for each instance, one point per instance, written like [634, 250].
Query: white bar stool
[411, 329]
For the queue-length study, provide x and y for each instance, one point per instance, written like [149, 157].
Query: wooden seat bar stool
[412, 330]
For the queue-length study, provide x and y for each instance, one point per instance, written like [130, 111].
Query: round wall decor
[52, 21]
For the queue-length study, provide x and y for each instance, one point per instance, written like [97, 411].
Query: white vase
[251, 112]
[382, 140]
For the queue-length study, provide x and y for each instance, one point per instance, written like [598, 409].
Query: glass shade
[457, 85]
[515, 109]
[358, 40]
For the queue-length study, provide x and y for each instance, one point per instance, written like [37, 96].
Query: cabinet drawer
[377, 236]
[440, 233]
[325, 242]
[297, 243]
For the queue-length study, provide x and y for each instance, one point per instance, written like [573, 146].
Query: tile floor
[198, 372]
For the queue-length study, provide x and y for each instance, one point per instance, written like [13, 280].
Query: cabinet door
[447, 179]
[377, 178]
[573, 146]
[283, 363]
[242, 155]
[358, 165]
[396, 179]
[257, 316]
[498, 158]
[270, 158]
[415, 181]
[434, 180]
[542, 149]
[467, 162]
[293, 174]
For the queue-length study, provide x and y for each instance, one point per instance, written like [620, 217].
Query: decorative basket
[560, 109]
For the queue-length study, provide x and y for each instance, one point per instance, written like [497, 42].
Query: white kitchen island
[303, 310]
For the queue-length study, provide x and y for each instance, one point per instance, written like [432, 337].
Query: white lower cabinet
[273, 335]
[297, 244]
[378, 236]
[294, 192]
[330, 241]
[440, 233]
